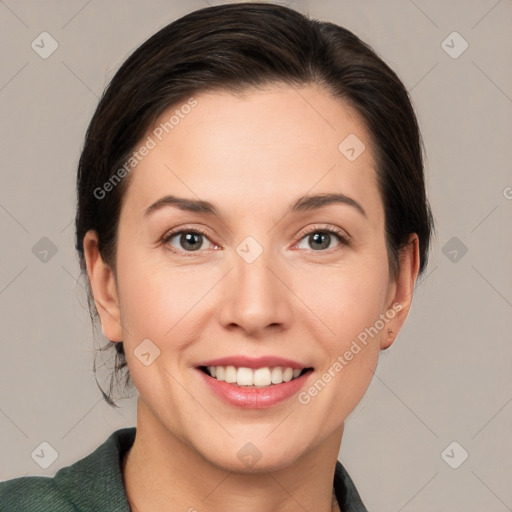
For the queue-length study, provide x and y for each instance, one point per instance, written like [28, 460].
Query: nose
[256, 297]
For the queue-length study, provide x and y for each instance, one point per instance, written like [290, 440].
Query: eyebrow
[304, 203]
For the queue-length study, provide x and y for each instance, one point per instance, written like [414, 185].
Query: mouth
[263, 377]
[254, 382]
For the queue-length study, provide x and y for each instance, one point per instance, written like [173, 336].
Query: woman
[251, 220]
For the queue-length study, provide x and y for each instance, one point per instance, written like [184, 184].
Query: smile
[253, 383]
[253, 377]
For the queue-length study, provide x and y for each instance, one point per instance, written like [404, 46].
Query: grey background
[447, 377]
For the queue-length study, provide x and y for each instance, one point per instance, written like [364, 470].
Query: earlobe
[403, 290]
[103, 285]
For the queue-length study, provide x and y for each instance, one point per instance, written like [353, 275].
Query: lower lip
[254, 398]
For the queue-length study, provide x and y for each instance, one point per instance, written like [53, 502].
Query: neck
[161, 470]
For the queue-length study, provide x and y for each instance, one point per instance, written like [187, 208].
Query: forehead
[261, 147]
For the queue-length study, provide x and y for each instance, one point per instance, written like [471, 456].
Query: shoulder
[32, 493]
[92, 482]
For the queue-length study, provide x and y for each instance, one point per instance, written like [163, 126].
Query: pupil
[189, 240]
[317, 237]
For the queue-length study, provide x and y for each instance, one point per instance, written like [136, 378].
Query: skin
[251, 156]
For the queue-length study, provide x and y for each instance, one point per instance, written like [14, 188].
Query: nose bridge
[255, 274]
[256, 298]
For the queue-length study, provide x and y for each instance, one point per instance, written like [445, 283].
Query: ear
[103, 284]
[401, 292]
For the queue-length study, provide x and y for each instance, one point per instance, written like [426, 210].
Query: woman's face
[264, 285]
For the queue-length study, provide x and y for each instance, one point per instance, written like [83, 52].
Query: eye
[186, 240]
[320, 238]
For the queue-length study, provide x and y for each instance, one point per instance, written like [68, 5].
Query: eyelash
[339, 233]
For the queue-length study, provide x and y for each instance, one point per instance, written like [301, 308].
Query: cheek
[347, 299]
[163, 302]
[350, 311]
[362, 301]
[144, 308]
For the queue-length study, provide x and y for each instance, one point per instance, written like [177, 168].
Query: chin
[256, 466]
[242, 456]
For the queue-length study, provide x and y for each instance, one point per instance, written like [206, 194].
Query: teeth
[262, 377]
[276, 375]
[231, 374]
[255, 378]
[288, 374]
[245, 377]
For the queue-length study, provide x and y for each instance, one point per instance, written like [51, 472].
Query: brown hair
[232, 48]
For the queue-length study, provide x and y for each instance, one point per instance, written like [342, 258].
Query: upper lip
[254, 362]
